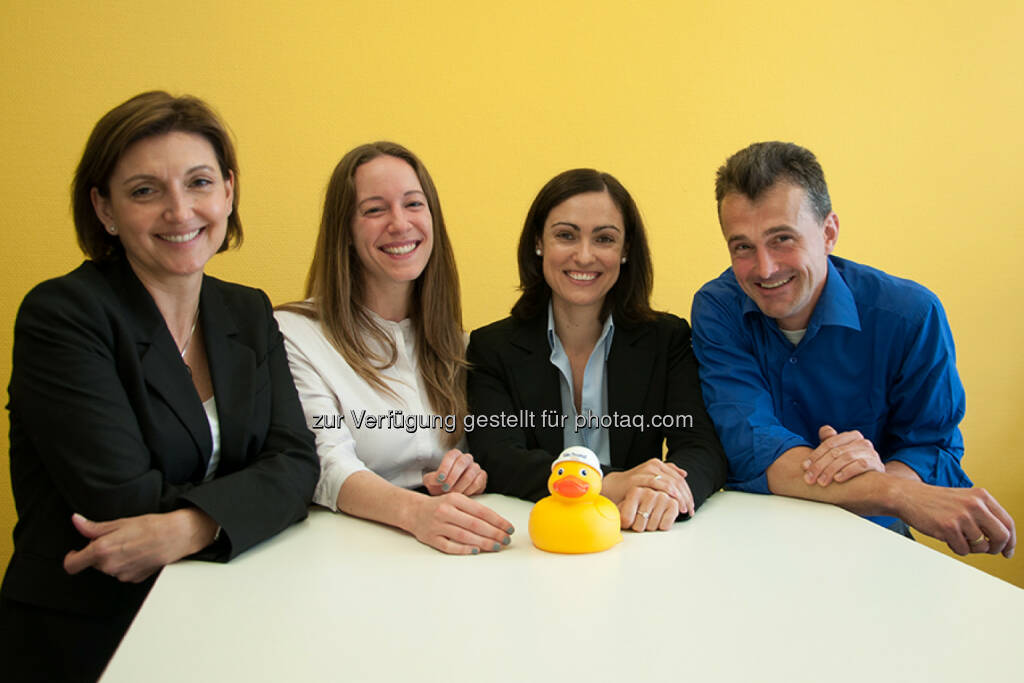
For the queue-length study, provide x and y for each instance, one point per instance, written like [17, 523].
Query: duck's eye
[583, 472]
[561, 471]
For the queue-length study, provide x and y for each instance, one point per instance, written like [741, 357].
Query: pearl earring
[112, 229]
[538, 252]
[623, 259]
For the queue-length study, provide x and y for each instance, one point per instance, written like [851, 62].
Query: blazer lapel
[538, 380]
[164, 371]
[630, 363]
[232, 366]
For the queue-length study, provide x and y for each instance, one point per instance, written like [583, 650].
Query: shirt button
[792, 360]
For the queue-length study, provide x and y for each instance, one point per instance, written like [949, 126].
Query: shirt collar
[606, 333]
[835, 305]
[403, 326]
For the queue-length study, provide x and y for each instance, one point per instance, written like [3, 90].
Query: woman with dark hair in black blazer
[153, 416]
[583, 360]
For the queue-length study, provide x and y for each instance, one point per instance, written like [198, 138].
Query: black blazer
[651, 371]
[105, 421]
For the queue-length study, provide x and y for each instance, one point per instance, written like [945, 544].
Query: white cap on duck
[578, 454]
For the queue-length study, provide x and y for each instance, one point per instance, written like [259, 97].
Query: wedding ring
[657, 477]
[645, 515]
[979, 539]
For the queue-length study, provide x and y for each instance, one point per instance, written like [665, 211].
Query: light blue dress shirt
[594, 402]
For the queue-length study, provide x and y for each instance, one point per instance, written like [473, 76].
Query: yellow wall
[914, 108]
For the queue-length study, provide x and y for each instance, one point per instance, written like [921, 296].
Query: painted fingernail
[446, 487]
[440, 476]
[475, 551]
[496, 547]
[511, 530]
[506, 540]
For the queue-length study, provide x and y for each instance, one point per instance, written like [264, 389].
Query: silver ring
[645, 515]
[657, 477]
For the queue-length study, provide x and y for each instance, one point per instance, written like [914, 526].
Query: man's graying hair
[751, 171]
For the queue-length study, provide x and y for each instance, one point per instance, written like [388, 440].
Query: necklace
[184, 349]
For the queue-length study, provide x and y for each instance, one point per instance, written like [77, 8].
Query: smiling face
[582, 246]
[392, 229]
[169, 203]
[779, 251]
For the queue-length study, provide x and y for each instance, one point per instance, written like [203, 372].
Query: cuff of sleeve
[219, 549]
[753, 477]
[935, 466]
[332, 475]
[758, 484]
[781, 447]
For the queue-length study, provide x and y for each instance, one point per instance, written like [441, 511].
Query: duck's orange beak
[571, 487]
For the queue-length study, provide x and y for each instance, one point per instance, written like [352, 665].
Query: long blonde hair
[336, 286]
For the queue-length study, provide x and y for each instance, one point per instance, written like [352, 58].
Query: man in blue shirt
[827, 379]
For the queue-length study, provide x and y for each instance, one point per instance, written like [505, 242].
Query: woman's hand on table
[458, 525]
[645, 509]
[457, 473]
[131, 549]
[655, 475]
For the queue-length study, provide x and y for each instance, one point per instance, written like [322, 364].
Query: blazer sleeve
[694, 447]
[274, 488]
[514, 467]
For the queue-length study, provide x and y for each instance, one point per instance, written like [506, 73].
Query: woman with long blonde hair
[377, 351]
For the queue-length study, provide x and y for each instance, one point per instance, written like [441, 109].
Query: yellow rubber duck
[575, 518]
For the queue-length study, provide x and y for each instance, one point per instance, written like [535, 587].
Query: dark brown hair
[629, 298]
[143, 116]
[754, 169]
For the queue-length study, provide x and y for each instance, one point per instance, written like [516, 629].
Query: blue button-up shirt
[877, 357]
[594, 401]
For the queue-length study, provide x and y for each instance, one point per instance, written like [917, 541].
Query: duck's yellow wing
[608, 510]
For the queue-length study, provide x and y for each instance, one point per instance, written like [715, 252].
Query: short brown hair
[754, 169]
[146, 115]
[629, 298]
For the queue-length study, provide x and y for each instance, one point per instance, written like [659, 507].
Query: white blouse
[357, 427]
[210, 406]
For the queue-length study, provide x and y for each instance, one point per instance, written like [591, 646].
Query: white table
[754, 588]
